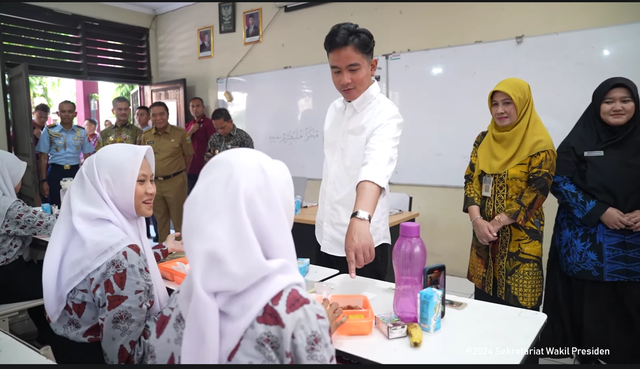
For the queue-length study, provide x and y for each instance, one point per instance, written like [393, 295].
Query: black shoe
[155, 239]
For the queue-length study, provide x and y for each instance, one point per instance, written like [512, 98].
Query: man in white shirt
[361, 136]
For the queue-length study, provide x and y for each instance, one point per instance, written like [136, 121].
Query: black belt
[170, 176]
[65, 166]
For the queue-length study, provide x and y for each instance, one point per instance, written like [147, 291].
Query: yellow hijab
[505, 147]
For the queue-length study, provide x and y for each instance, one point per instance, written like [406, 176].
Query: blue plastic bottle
[409, 260]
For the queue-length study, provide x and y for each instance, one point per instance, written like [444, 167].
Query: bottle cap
[410, 229]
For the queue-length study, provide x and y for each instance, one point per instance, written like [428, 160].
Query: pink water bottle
[409, 260]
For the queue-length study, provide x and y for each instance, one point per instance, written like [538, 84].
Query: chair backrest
[299, 186]
[400, 201]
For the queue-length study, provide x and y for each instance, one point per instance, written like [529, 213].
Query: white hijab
[98, 219]
[11, 172]
[237, 237]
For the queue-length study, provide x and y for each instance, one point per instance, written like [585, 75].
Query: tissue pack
[303, 266]
[430, 309]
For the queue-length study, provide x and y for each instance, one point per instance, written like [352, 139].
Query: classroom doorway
[93, 100]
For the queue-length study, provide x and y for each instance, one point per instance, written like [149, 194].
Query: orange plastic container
[172, 275]
[355, 326]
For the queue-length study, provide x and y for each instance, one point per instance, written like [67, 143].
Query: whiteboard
[442, 93]
[284, 111]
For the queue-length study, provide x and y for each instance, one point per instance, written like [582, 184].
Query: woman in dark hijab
[592, 293]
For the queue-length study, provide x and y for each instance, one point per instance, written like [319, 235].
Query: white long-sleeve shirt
[360, 144]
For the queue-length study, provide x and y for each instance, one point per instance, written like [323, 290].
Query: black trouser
[55, 174]
[22, 281]
[70, 352]
[377, 269]
[191, 181]
[480, 295]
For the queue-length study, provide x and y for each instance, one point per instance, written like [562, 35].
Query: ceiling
[150, 8]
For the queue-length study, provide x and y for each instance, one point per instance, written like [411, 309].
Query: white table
[9, 310]
[482, 333]
[43, 238]
[316, 274]
[15, 351]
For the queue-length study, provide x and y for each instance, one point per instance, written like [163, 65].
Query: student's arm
[31, 222]
[122, 291]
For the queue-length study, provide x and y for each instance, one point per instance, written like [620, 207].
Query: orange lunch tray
[355, 326]
[172, 275]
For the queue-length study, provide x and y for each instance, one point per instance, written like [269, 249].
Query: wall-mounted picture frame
[227, 17]
[252, 26]
[205, 42]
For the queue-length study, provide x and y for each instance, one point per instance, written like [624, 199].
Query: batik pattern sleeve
[471, 195]
[541, 168]
[292, 328]
[123, 293]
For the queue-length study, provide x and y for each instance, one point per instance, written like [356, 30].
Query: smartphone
[435, 276]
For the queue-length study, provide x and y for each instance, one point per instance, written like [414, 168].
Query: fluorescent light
[436, 70]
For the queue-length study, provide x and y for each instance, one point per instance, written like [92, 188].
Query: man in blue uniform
[63, 143]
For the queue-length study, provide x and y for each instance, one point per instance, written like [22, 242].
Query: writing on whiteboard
[302, 134]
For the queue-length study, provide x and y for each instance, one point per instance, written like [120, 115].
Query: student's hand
[194, 128]
[45, 189]
[484, 231]
[634, 217]
[615, 219]
[333, 312]
[358, 245]
[172, 244]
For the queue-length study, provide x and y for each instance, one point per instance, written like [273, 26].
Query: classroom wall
[295, 39]
[98, 11]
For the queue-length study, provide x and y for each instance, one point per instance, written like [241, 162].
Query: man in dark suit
[205, 45]
[253, 29]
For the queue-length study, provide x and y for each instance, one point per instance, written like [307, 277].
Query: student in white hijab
[244, 300]
[101, 279]
[20, 277]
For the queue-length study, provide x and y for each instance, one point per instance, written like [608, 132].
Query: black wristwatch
[43, 180]
[361, 214]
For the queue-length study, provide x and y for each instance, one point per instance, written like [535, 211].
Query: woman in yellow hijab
[507, 181]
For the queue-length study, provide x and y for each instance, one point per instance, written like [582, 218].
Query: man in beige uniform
[173, 153]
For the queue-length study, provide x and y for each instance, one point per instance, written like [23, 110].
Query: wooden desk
[304, 234]
[308, 216]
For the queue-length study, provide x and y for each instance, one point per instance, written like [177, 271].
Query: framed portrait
[205, 42]
[252, 26]
[227, 17]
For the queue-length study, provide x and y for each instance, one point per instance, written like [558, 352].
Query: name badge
[594, 153]
[150, 142]
[487, 184]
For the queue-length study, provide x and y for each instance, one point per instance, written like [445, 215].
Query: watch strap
[354, 215]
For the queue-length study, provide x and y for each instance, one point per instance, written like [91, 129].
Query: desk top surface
[14, 351]
[316, 274]
[308, 216]
[482, 333]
